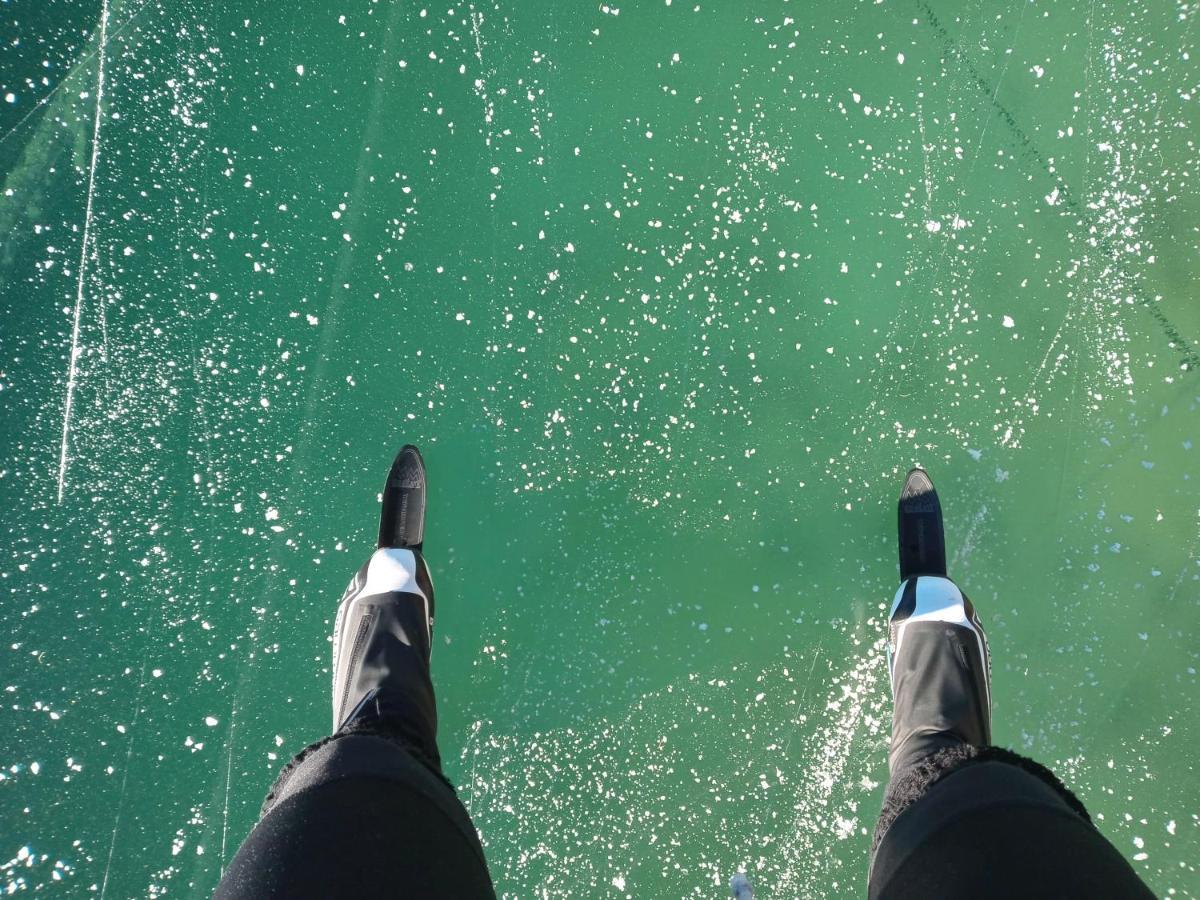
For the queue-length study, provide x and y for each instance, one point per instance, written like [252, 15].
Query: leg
[961, 818]
[367, 811]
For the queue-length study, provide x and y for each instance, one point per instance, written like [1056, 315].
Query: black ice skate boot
[383, 633]
[937, 652]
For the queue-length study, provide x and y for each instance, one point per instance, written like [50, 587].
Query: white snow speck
[210, 721]
[299, 70]
[1008, 322]
[900, 58]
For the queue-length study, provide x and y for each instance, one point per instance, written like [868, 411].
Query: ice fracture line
[72, 368]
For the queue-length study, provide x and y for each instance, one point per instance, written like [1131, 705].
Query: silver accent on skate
[391, 569]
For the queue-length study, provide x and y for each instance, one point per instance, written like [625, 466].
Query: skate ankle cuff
[402, 738]
[369, 728]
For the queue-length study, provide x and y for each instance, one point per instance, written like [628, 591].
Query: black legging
[990, 824]
[360, 816]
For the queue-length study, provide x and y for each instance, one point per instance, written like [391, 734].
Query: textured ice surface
[670, 294]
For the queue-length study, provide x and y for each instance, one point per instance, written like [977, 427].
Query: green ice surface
[670, 294]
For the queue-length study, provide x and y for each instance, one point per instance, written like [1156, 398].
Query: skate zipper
[360, 638]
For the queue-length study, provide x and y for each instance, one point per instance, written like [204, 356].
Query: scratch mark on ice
[77, 67]
[72, 368]
[228, 777]
[137, 711]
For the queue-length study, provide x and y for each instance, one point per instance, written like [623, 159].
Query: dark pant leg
[358, 815]
[992, 825]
